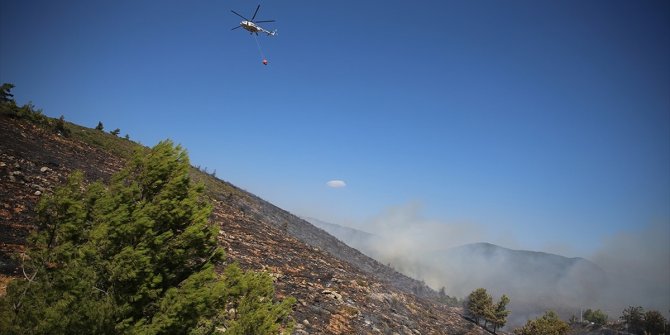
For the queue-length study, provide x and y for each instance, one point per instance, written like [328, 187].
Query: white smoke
[638, 265]
[635, 265]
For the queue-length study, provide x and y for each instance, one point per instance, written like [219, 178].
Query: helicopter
[252, 26]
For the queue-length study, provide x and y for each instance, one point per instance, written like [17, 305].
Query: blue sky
[544, 121]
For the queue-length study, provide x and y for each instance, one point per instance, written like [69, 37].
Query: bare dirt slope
[339, 290]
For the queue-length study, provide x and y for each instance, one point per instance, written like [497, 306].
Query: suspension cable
[258, 44]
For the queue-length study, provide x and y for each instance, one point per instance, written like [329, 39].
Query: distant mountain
[535, 281]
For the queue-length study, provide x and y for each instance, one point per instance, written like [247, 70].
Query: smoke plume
[631, 268]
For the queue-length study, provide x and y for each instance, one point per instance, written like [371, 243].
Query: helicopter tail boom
[269, 33]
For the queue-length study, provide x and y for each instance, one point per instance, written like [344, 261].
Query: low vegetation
[547, 324]
[597, 316]
[137, 256]
[28, 111]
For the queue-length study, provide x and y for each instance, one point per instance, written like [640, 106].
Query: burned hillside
[338, 289]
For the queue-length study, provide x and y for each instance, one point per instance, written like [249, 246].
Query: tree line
[639, 322]
[29, 112]
[481, 308]
[35, 115]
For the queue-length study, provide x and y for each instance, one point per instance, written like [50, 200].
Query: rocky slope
[339, 290]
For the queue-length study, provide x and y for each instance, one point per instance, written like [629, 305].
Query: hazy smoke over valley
[629, 269]
[638, 268]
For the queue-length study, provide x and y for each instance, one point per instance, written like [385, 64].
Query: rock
[305, 322]
[38, 193]
[332, 294]
[18, 175]
[44, 169]
[276, 276]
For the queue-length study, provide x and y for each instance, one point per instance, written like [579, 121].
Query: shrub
[548, 324]
[597, 317]
[59, 126]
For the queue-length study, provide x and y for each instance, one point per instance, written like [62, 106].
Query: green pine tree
[5, 93]
[500, 313]
[479, 305]
[135, 257]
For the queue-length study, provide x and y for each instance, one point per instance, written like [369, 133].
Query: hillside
[339, 290]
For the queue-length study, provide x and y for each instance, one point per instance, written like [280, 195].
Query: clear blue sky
[546, 120]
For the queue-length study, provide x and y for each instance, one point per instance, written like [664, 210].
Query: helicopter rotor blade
[236, 13]
[256, 12]
[264, 21]
[236, 27]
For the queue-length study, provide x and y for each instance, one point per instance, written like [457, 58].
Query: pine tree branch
[17, 305]
[101, 290]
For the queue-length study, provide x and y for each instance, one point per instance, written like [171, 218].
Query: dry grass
[4, 281]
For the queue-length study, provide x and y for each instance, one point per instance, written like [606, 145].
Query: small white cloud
[336, 183]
